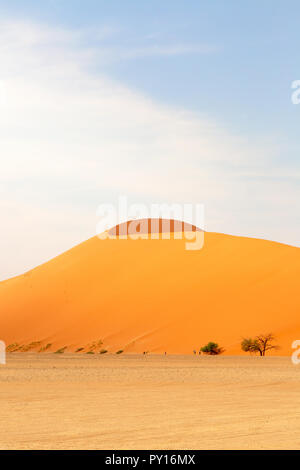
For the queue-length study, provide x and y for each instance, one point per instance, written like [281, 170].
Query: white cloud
[70, 140]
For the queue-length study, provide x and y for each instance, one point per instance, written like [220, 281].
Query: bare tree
[261, 344]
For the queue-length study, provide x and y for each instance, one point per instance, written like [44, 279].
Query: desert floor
[73, 401]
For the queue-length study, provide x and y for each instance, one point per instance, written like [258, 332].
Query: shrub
[13, 347]
[120, 351]
[61, 350]
[29, 347]
[103, 351]
[212, 349]
[44, 348]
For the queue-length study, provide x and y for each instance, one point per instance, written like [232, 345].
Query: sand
[154, 295]
[68, 401]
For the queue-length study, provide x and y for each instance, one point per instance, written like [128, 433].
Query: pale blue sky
[246, 81]
[216, 75]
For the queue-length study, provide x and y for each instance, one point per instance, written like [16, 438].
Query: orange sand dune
[154, 295]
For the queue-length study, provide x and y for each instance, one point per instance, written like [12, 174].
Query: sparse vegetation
[211, 349]
[95, 345]
[13, 347]
[44, 348]
[61, 350]
[30, 346]
[261, 344]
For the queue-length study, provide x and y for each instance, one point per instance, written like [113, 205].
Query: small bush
[90, 352]
[211, 349]
[13, 347]
[120, 351]
[29, 347]
[103, 351]
[79, 349]
[44, 348]
[61, 350]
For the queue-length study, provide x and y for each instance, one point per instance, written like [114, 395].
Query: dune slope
[153, 295]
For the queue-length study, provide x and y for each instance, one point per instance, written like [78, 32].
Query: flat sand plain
[73, 401]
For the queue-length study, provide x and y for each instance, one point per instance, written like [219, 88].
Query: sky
[161, 102]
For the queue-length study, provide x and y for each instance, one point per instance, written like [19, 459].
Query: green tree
[261, 344]
[212, 349]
